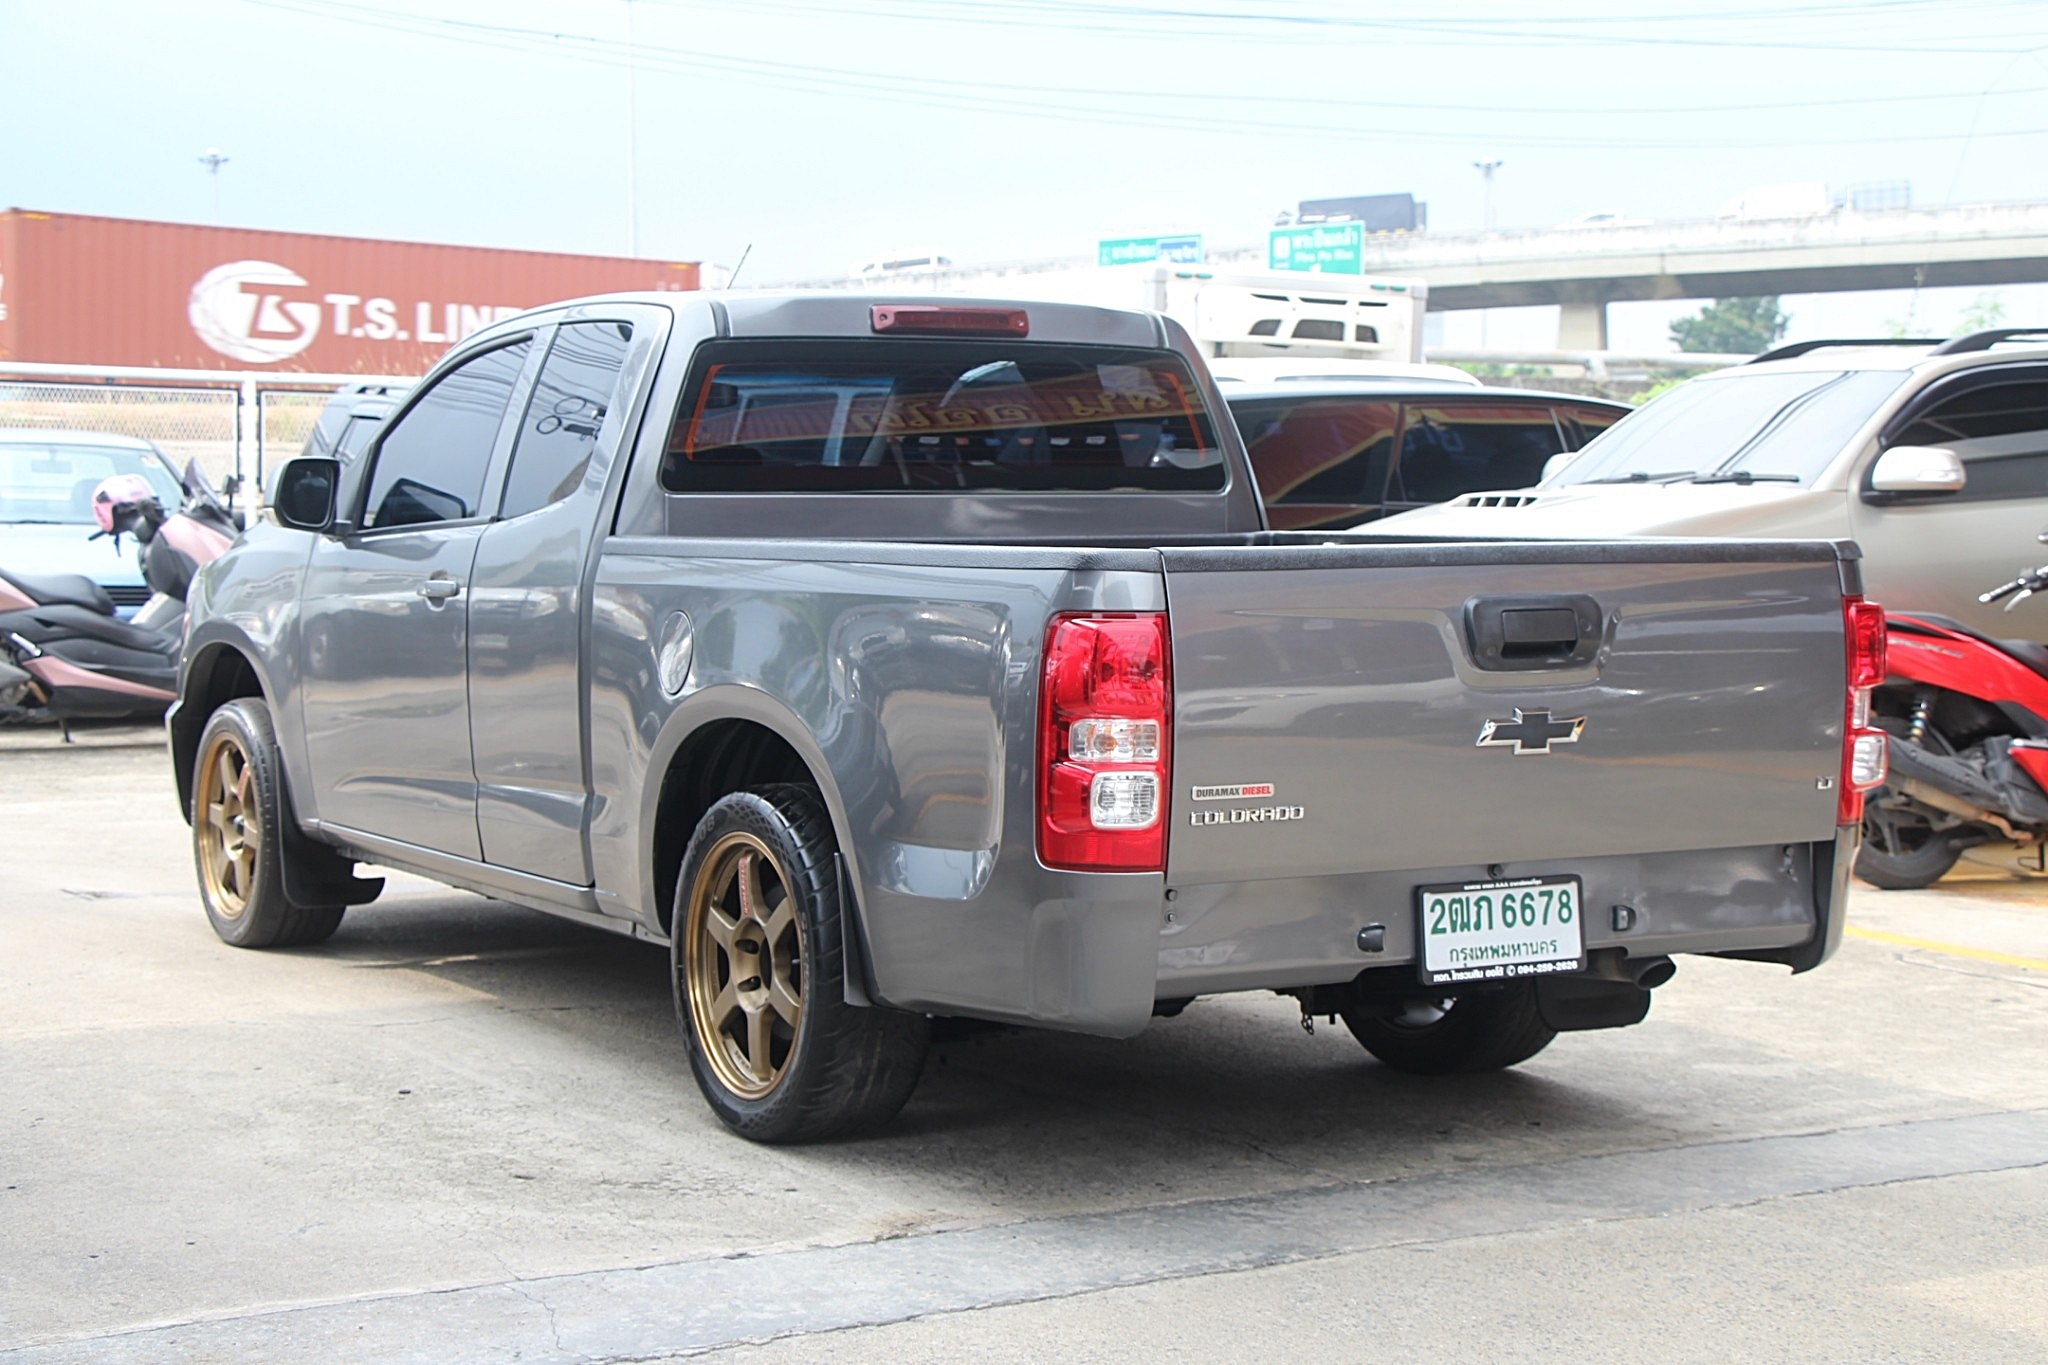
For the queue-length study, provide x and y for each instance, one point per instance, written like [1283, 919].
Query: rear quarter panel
[910, 689]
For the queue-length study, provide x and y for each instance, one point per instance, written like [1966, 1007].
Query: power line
[1031, 102]
[1159, 23]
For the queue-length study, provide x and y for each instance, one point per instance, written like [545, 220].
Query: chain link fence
[232, 423]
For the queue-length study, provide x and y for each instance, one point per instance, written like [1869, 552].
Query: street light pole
[632, 140]
[1486, 170]
[213, 161]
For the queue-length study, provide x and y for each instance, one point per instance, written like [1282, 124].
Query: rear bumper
[1775, 903]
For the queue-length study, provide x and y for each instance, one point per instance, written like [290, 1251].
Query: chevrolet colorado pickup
[888, 659]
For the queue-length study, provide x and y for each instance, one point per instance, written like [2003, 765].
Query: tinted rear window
[937, 417]
[1455, 448]
[1319, 450]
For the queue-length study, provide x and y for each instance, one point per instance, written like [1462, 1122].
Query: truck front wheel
[758, 961]
[1482, 1031]
[238, 837]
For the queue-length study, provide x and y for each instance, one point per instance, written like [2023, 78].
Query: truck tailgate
[1330, 703]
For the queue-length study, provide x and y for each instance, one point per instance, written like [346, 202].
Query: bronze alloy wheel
[743, 964]
[231, 829]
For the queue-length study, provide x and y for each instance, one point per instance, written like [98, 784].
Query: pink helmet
[112, 493]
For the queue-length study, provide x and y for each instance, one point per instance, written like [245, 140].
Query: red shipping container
[80, 290]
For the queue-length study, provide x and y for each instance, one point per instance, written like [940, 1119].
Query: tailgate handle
[1512, 634]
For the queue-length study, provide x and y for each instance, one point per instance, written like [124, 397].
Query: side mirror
[1917, 469]
[303, 495]
[1557, 462]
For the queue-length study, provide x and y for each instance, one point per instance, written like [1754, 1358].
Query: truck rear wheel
[1483, 1031]
[238, 846]
[758, 961]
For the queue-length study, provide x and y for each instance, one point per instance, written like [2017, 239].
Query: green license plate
[1495, 931]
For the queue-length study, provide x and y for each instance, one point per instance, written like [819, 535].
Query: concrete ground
[464, 1131]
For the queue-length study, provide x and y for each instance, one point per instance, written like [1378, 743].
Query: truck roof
[840, 313]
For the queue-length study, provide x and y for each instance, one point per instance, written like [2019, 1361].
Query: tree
[1985, 311]
[1732, 327]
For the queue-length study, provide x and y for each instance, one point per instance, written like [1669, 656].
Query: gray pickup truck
[890, 659]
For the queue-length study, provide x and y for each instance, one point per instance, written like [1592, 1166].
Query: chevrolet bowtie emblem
[1532, 732]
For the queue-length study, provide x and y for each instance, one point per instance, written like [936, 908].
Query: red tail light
[1105, 732]
[1863, 747]
[1866, 641]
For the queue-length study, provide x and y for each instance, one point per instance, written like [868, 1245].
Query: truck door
[526, 606]
[384, 622]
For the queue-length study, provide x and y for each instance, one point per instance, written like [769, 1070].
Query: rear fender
[716, 704]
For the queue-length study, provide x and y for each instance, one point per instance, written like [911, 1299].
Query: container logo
[236, 310]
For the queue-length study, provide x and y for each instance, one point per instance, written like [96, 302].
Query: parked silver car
[1934, 456]
[46, 518]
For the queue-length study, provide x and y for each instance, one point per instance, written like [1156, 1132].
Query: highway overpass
[1584, 269]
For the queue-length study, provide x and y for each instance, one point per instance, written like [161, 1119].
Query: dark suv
[352, 415]
[1332, 452]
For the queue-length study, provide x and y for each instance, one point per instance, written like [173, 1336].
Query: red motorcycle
[1968, 720]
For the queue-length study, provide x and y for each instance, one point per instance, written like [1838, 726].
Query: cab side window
[577, 387]
[430, 466]
[1999, 430]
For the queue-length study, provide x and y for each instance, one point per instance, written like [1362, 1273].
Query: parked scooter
[64, 654]
[1968, 720]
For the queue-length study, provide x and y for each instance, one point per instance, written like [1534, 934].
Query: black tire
[1483, 1031]
[238, 815]
[752, 941]
[1900, 851]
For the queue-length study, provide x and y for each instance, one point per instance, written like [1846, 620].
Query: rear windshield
[937, 417]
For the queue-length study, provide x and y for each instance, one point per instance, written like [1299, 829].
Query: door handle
[439, 589]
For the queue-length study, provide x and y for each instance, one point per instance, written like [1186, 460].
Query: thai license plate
[1495, 931]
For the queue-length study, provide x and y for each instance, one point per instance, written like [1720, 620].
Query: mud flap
[1571, 1003]
[852, 952]
[317, 874]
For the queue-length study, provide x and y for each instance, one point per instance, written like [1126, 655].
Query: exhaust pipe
[1645, 973]
[1927, 794]
[1650, 972]
[1948, 785]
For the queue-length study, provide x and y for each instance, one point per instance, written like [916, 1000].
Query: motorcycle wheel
[1901, 850]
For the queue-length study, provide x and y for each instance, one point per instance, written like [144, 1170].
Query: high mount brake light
[1104, 740]
[1863, 747]
[931, 317]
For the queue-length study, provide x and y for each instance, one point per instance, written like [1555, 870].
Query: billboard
[115, 291]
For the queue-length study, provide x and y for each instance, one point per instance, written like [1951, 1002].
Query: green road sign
[1181, 248]
[1332, 248]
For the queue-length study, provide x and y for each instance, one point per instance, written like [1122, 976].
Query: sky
[811, 135]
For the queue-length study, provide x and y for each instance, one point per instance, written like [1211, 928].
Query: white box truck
[1241, 312]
